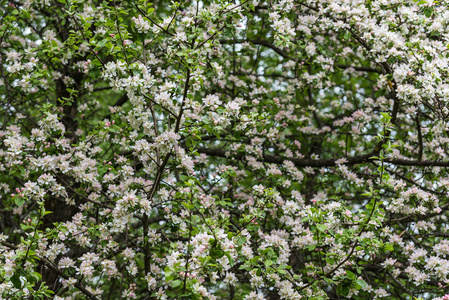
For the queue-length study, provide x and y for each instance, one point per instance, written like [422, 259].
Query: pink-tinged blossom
[8, 268]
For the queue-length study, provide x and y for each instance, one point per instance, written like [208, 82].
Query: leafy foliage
[224, 150]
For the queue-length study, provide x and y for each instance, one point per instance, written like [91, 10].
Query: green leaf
[321, 227]
[171, 294]
[231, 260]
[37, 276]
[350, 275]
[216, 253]
[389, 247]
[19, 201]
[175, 283]
[361, 283]
[328, 280]
[342, 290]
[15, 279]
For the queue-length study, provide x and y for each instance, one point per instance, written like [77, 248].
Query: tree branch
[51, 266]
